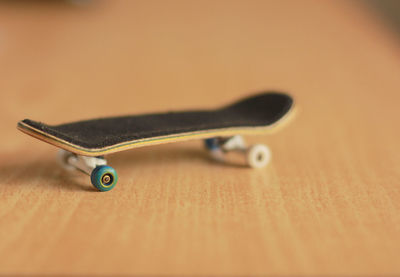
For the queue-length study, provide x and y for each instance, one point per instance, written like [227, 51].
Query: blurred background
[327, 205]
[387, 10]
[69, 60]
[64, 58]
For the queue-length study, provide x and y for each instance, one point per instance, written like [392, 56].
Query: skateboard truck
[102, 176]
[257, 155]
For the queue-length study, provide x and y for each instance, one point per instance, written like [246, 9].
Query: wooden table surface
[328, 204]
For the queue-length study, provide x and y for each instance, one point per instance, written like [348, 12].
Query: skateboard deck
[102, 136]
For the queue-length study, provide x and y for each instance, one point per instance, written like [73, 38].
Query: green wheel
[104, 177]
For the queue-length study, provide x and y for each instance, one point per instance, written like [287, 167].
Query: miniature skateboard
[84, 143]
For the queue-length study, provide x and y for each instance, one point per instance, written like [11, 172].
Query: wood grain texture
[328, 204]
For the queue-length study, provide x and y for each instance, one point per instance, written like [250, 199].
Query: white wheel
[63, 157]
[258, 155]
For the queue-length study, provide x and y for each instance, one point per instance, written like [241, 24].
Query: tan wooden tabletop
[328, 204]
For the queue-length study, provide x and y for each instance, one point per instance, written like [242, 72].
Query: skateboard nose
[264, 108]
